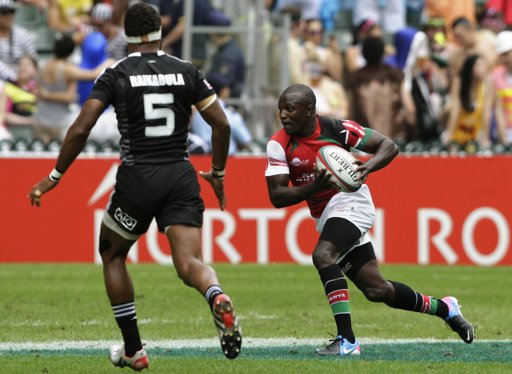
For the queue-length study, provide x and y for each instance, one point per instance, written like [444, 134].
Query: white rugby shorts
[356, 207]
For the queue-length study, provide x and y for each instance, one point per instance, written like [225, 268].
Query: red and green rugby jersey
[296, 156]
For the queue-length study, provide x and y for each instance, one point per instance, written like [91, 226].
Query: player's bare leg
[113, 250]
[398, 295]
[185, 242]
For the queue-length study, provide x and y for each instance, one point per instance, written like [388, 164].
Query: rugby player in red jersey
[343, 219]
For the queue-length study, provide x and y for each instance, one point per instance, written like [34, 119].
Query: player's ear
[311, 110]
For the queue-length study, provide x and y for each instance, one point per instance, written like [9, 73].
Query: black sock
[211, 293]
[336, 290]
[408, 299]
[126, 319]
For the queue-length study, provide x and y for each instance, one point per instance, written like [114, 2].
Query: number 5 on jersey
[150, 112]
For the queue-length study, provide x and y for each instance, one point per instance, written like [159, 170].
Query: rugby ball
[341, 165]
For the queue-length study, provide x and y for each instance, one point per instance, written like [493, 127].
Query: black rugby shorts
[168, 192]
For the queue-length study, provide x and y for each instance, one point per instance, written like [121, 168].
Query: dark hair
[63, 46]
[141, 19]
[366, 25]
[373, 50]
[461, 21]
[466, 78]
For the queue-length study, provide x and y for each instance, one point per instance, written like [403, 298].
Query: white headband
[151, 37]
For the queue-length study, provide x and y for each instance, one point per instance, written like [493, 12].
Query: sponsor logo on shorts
[340, 208]
[124, 219]
[346, 267]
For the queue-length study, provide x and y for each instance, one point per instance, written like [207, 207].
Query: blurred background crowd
[434, 75]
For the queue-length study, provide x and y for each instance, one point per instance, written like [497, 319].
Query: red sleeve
[354, 133]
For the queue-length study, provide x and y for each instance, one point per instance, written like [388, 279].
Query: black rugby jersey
[152, 94]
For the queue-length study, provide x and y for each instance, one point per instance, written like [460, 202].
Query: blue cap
[215, 17]
[217, 81]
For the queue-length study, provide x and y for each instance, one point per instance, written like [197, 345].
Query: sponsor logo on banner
[421, 224]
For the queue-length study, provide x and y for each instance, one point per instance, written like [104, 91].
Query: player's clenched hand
[218, 187]
[45, 185]
[363, 169]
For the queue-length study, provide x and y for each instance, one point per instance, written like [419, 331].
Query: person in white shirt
[15, 41]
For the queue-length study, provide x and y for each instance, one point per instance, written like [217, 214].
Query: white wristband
[55, 175]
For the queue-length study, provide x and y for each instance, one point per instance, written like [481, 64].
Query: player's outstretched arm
[72, 145]
[214, 115]
[384, 151]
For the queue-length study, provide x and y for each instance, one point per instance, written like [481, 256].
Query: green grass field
[57, 319]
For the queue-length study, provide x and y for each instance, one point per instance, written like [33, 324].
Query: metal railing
[255, 31]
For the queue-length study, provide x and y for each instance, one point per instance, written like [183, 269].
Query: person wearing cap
[101, 20]
[153, 94]
[15, 41]
[502, 87]
[241, 137]
[228, 58]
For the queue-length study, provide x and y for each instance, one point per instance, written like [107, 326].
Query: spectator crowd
[430, 74]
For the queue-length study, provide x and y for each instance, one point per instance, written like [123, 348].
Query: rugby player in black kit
[152, 94]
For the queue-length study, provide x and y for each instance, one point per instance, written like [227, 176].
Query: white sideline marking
[210, 343]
